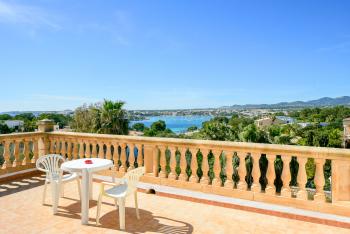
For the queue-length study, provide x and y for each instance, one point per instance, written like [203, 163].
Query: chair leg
[121, 202]
[62, 190]
[55, 196]
[99, 202]
[44, 193]
[79, 188]
[136, 206]
[116, 203]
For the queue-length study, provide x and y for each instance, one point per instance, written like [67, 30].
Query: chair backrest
[50, 164]
[132, 178]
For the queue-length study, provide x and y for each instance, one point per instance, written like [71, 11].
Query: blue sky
[56, 55]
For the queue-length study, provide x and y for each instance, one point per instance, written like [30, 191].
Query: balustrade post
[319, 180]
[122, 167]
[94, 150]
[256, 172]
[286, 176]
[229, 170]
[81, 149]
[172, 174]
[64, 149]
[205, 167]
[26, 152]
[162, 161]
[216, 168]
[132, 156]
[150, 159]
[183, 164]
[52, 146]
[270, 174]
[6, 155]
[241, 171]
[139, 158]
[75, 153]
[194, 166]
[35, 150]
[302, 179]
[109, 151]
[116, 156]
[340, 180]
[17, 161]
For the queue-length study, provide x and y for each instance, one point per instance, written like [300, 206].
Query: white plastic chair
[50, 164]
[119, 192]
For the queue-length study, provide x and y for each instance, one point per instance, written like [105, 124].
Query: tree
[138, 127]
[5, 117]
[192, 128]
[114, 118]
[60, 119]
[158, 126]
[25, 117]
[4, 129]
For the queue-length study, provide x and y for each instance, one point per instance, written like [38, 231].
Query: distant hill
[322, 102]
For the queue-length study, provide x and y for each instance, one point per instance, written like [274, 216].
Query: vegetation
[108, 117]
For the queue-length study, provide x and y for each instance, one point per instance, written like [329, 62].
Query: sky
[57, 55]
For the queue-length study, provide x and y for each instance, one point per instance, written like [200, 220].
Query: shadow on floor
[11, 187]
[147, 222]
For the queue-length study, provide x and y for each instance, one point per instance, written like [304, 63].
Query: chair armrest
[104, 183]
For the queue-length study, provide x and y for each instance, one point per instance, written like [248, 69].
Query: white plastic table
[86, 170]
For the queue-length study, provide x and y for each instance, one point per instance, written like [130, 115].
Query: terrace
[214, 200]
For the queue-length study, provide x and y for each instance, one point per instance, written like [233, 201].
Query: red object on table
[88, 161]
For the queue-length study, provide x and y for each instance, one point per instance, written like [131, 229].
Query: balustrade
[271, 172]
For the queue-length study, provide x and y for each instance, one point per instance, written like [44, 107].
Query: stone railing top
[19, 135]
[224, 145]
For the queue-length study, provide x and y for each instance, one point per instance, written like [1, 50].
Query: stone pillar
[45, 125]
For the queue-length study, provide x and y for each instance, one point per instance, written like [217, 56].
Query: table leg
[85, 196]
[90, 186]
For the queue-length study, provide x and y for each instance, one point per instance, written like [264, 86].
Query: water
[177, 124]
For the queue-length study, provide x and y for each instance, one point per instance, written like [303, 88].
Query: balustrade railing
[307, 177]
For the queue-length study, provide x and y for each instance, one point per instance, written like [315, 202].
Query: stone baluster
[122, 167]
[241, 171]
[6, 154]
[115, 155]
[64, 150]
[16, 153]
[229, 170]
[155, 165]
[75, 149]
[52, 146]
[81, 149]
[172, 174]
[286, 176]
[100, 153]
[216, 167]
[69, 149]
[35, 150]
[183, 164]
[132, 157]
[139, 158]
[256, 172]
[270, 174]
[205, 167]
[94, 150]
[162, 161]
[319, 179]
[194, 166]
[302, 179]
[109, 151]
[26, 152]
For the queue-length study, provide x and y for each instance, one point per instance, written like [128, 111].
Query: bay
[177, 124]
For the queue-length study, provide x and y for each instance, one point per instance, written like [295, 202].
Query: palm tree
[113, 118]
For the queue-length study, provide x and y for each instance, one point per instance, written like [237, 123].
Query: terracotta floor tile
[21, 212]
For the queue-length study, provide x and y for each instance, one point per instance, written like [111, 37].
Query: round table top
[79, 164]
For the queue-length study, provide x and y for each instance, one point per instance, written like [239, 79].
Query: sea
[178, 124]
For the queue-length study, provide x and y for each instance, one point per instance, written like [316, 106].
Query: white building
[16, 124]
[346, 140]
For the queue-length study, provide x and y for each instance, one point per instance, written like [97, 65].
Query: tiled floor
[21, 212]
